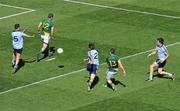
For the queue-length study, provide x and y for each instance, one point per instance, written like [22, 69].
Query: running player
[163, 55]
[93, 62]
[17, 43]
[114, 63]
[46, 30]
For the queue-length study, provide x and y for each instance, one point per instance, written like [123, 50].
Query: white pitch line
[13, 15]
[70, 73]
[50, 59]
[28, 10]
[122, 9]
[11, 6]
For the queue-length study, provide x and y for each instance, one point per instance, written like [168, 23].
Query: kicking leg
[162, 72]
[44, 47]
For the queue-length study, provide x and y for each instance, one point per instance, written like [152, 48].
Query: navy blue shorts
[18, 51]
[160, 65]
[92, 68]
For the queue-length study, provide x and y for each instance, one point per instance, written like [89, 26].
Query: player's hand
[148, 55]
[124, 73]
[33, 36]
[84, 60]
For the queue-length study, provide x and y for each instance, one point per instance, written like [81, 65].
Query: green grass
[75, 26]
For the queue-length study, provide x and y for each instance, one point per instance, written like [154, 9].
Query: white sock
[168, 74]
[150, 77]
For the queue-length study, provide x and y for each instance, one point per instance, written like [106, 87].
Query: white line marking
[28, 10]
[70, 73]
[51, 59]
[16, 7]
[123, 9]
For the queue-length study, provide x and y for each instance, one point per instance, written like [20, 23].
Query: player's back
[17, 39]
[94, 55]
[46, 25]
[112, 61]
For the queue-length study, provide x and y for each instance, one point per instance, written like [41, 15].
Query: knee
[160, 72]
[151, 66]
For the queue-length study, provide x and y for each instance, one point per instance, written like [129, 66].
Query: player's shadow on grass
[20, 65]
[48, 53]
[116, 82]
[159, 75]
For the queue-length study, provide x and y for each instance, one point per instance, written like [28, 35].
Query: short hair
[91, 46]
[161, 40]
[16, 26]
[112, 51]
[50, 15]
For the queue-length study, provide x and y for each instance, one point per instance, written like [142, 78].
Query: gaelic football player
[17, 43]
[114, 63]
[46, 30]
[93, 62]
[163, 55]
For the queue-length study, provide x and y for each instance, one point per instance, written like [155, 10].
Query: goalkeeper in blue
[160, 62]
[114, 64]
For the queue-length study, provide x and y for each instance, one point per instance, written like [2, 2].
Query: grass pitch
[75, 26]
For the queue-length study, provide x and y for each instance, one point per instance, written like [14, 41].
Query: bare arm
[29, 36]
[152, 53]
[121, 67]
[39, 28]
[52, 31]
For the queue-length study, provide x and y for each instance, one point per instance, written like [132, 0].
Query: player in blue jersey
[93, 62]
[163, 55]
[17, 43]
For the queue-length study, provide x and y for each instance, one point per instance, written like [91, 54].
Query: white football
[60, 50]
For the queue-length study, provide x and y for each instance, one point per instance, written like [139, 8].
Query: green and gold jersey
[112, 61]
[47, 24]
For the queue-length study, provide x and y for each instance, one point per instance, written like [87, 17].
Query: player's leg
[162, 72]
[109, 79]
[92, 77]
[17, 59]
[44, 46]
[13, 58]
[151, 70]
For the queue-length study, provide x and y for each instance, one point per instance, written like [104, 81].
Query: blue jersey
[162, 52]
[93, 57]
[17, 39]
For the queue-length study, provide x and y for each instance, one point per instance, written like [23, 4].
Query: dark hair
[161, 40]
[50, 15]
[91, 46]
[16, 26]
[112, 51]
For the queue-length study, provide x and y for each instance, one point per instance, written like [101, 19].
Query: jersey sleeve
[23, 34]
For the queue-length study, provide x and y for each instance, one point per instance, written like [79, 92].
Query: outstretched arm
[152, 53]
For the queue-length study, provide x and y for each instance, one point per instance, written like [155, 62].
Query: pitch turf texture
[75, 26]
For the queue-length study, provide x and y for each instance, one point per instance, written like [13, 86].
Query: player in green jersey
[45, 30]
[114, 63]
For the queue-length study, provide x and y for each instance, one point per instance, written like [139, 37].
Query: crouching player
[114, 63]
[93, 62]
[17, 43]
[163, 55]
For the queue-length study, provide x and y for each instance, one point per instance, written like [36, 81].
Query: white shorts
[45, 39]
[110, 74]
